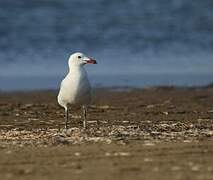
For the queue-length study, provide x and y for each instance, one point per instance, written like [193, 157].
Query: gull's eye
[79, 57]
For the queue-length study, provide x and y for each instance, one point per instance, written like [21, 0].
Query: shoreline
[12, 83]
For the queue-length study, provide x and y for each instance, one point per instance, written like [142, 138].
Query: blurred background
[136, 43]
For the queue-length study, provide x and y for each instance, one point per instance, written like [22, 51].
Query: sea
[137, 43]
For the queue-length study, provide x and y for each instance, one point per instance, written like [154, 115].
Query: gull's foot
[84, 125]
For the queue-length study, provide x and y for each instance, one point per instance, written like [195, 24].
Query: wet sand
[164, 133]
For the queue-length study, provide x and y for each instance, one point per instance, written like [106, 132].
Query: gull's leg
[66, 117]
[84, 108]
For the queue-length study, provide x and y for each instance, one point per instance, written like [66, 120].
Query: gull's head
[79, 59]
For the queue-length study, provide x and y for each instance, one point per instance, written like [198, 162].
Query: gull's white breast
[75, 88]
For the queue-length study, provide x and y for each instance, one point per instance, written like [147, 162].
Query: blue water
[139, 40]
[102, 81]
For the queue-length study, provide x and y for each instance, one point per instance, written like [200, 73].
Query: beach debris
[117, 154]
[77, 153]
[148, 143]
[165, 113]
[105, 107]
[148, 160]
[150, 106]
[175, 168]
[210, 111]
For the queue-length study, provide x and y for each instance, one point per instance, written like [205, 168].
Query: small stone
[150, 106]
[91, 122]
[210, 111]
[195, 168]
[107, 154]
[165, 113]
[125, 121]
[121, 154]
[8, 152]
[175, 168]
[77, 153]
[209, 168]
[148, 160]
[156, 169]
[148, 144]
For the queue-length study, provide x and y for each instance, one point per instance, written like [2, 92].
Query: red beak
[91, 61]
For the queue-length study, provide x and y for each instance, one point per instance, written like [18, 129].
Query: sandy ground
[164, 133]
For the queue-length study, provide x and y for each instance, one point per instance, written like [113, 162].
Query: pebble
[175, 168]
[165, 113]
[77, 153]
[148, 160]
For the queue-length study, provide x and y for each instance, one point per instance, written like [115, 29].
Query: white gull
[75, 87]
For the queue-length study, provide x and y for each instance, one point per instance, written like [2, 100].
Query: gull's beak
[90, 61]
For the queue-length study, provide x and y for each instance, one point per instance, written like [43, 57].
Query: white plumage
[75, 87]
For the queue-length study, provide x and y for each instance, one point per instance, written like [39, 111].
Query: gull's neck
[73, 69]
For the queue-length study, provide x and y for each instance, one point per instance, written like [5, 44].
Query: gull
[75, 88]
